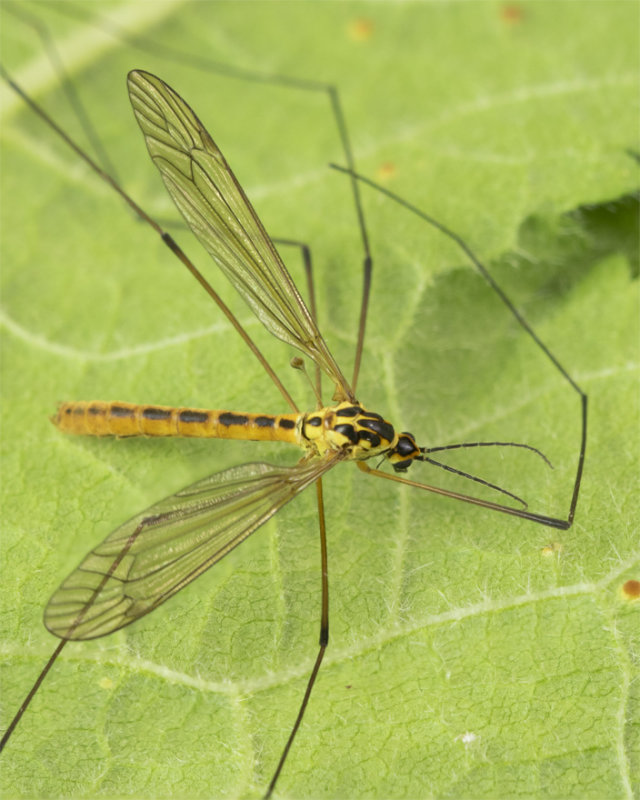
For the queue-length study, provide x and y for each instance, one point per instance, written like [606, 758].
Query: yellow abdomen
[96, 418]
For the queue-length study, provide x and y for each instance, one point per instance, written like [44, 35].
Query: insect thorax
[360, 434]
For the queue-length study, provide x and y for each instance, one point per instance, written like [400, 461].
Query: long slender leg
[305, 253]
[73, 98]
[527, 328]
[552, 522]
[211, 66]
[207, 65]
[323, 642]
[68, 635]
[32, 693]
[324, 564]
[166, 238]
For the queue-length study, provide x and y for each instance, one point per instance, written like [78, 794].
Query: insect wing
[217, 210]
[153, 555]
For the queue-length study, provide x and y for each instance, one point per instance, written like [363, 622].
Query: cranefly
[153, 555]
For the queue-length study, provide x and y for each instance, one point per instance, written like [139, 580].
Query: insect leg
[167, 239]
[68, 87]
[207, 65]
[32, 693]
[323, 642]
[305, 253]
[522, 322]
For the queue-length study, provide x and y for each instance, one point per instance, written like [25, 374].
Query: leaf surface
[471, 655]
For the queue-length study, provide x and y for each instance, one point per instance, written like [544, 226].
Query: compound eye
[406, 446]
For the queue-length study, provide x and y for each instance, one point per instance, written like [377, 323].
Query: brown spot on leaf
[360, 30]
[511, 13]
[386, 171]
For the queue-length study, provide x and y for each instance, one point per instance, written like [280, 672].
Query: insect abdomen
[97, 418]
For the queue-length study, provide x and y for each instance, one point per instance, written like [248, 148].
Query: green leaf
[471, 654]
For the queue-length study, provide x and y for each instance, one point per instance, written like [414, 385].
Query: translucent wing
[217, 210]
[157, 552]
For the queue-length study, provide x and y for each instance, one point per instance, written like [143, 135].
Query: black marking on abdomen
[229, 418]
[122, 411]
[265, 422]
[287, 423]
[194, 416]
[156, 413]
